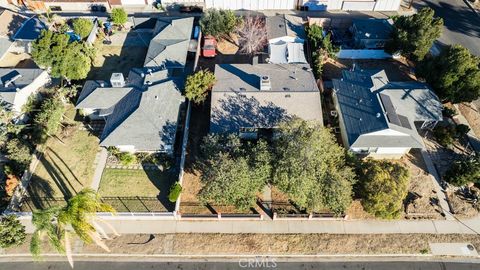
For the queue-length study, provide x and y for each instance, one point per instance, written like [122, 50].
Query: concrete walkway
[101, 161]
[442, 197]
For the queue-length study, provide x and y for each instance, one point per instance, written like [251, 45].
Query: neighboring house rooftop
[10, 23]
[169, 45]
[30, 30]
[369, 102]
[372, 28]
[285, 25]
[241, 99]
[16, 78]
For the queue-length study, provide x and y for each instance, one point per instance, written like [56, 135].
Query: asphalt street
[462, 25]
[243, 264]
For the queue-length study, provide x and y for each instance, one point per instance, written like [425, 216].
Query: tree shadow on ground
[162, 180]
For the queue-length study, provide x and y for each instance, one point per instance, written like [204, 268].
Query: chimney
[265, 83]
[117, 80]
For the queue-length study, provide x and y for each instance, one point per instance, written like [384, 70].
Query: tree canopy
[310, 167]
[82, 27]
[233, 172]
[413, 36]
[464, 172]
[198, 84]
[12, 232]
[384, 186]
[219, 23]
[454, 74]
[119, 16]
[71, 60]
[19, 153]
[79, 214]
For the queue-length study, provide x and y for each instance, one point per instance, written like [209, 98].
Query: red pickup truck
[209, 48]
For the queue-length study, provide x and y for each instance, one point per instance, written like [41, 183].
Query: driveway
[462, 25]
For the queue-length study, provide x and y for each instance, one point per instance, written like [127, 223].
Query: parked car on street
[209, 48]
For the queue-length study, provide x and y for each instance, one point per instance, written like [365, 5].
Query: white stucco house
[379, 118]
[18, 84]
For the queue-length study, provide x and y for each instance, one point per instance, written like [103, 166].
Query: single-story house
[252, 100]
[286, 36]
[18, 84]
[371, 33]
[17, 31]
[169, 45]
[142, 111]
[379, 118]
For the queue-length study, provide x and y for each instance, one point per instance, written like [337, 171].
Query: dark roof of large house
[372, 28]
[369, 103]
[285, 25]
[237, 100]
[169, 46]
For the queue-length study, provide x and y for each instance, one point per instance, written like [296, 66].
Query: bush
[126, 158]
[461, 130]
[449, 112]
[219, 23]
[50, 115]
[175, 190]
[383, 187]
[444, 135]
[463, 172]
[19, 154]
[318, 63]
[12, 232]
[198, 84]
[82, 27]
[119, 16]
[314, 35]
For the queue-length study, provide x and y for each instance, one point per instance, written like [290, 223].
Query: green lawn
[65, 168]
[137, 190]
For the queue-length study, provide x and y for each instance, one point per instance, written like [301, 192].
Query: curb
[472, 8]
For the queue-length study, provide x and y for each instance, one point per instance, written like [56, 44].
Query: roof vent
[102, 84]
[148, 82]
[265, 83]
[12, 80]
[149, 71]
[378, 115]
[286, 89]
[117, 80]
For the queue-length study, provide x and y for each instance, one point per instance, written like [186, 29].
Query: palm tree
[80, 215]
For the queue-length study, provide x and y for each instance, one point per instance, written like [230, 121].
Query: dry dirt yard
[470, 112]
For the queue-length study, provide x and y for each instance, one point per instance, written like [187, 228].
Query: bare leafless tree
[252, 35]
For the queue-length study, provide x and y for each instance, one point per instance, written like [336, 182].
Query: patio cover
[278, 53]
[296, 53]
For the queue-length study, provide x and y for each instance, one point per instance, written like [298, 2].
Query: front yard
[66, 167]
[137, 190]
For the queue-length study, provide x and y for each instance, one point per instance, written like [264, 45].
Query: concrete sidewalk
[147, 225]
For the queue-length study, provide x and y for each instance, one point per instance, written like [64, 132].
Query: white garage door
[357, 5]
[387, 5]
[251, 4]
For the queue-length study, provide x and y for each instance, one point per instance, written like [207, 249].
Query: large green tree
[384, 186]
[12, 232]
[219, 23]
[233, 172]
[198, 84]
[454, 74]
[310, 167]
[413, 36]
[70, 60]
[79, 214]
[19, 154]
[82, 27]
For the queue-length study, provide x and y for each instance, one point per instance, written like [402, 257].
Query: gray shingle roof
[169, 45]
[237, 100]
[285, 25]
[372, 28]
[369, 102]
[145, 119]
